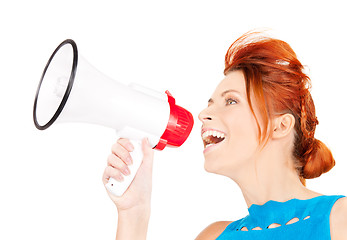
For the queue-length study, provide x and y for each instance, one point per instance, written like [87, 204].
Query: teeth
[212, 133]
[208, 145]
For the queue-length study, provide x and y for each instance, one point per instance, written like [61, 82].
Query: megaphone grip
[118, 188]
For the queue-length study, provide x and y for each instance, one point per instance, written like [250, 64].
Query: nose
[204, 115]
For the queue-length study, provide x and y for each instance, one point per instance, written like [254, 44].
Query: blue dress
[312, 218]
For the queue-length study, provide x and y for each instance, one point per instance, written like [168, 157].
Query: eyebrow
[223, 93]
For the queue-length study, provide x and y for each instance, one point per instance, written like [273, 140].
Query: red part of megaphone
[179, 126]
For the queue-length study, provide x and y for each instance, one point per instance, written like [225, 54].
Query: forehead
[233, 80]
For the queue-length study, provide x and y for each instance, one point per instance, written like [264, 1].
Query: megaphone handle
[118, 188]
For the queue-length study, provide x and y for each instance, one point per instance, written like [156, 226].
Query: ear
[283, 125]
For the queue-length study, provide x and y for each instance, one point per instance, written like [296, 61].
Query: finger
[111, 172]
[147, 150]
[122, 153]
[117, 163]
[126, 144]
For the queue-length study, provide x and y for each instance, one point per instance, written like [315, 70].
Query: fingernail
[126, 172]
[129, 160]
[130, 147]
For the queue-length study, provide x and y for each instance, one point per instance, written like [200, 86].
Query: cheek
[243, 129]
[243, 138]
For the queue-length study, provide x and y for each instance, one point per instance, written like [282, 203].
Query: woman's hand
[138, 195]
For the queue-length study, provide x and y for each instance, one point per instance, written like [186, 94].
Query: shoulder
[213, 230]
[338, 220]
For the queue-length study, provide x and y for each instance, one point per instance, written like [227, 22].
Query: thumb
[148, 152]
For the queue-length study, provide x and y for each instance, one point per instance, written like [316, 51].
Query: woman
[258, 130]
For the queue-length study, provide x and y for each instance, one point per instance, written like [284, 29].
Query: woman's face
[228, 117]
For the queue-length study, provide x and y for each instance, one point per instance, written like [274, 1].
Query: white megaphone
[71, 90]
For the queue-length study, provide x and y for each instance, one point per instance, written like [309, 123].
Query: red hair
[276, 77]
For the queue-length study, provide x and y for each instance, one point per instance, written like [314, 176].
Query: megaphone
[71, 90]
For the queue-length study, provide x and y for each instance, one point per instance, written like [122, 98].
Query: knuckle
[122, 154]
[115, 147]
[112, 172]
[110, 158]
[115, 162]
[109, 170]
[122, 141]
[126, 144]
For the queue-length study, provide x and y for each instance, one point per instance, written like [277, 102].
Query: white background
[50, 181]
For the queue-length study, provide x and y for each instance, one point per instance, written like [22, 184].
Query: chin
[222, 166]
[212, 166]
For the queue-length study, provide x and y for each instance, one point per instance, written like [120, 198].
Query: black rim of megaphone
[68, 88]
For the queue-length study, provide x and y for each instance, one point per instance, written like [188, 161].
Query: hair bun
[319, 159]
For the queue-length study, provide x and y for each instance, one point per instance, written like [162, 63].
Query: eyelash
[230, 99]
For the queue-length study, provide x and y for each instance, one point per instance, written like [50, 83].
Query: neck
[271, 176]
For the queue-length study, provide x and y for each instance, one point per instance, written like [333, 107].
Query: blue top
[312, 218]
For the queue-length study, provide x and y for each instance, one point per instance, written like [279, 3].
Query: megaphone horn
[71, 90]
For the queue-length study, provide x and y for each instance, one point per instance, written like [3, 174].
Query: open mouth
[212, 137]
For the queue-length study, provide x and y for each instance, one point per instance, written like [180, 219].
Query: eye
[230, 101]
